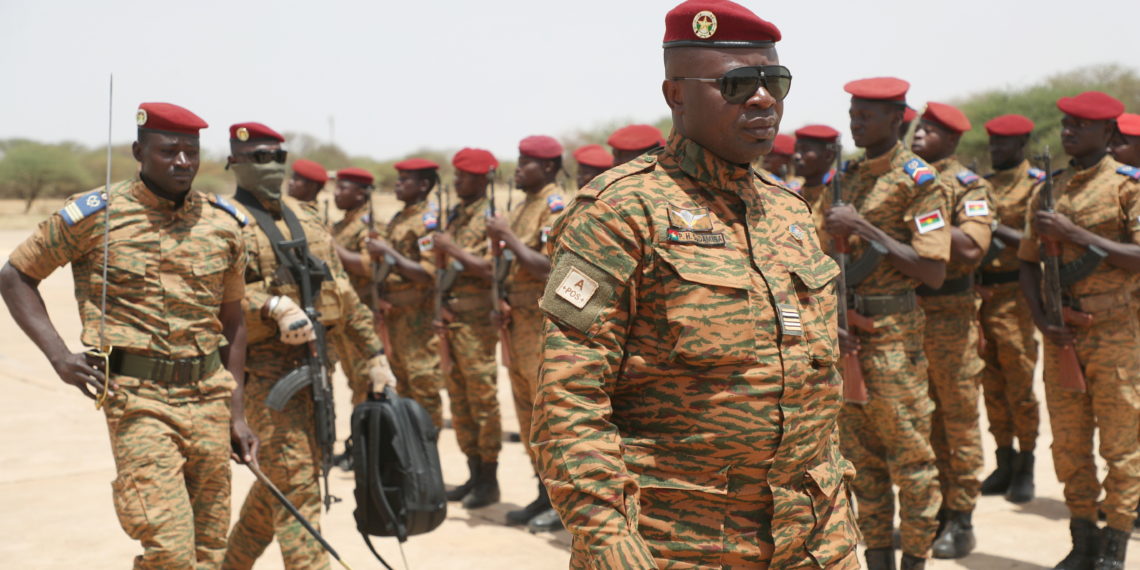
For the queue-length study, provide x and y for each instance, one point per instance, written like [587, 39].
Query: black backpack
[399, 484]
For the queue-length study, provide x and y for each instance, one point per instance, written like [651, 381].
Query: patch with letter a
[577, 288]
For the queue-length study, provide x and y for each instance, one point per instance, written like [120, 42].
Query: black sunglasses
[267, 156]
[737, 85]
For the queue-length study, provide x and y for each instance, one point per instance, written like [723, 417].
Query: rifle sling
[996, 247]
[266, 222]
[1083, 266]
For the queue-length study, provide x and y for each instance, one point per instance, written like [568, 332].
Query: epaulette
[1036, 173]
[919, 171]
[84, 206]
[555, 203]
[828, 176]
[795, 185]
[431, 219]
[643, 163]
[967, 177]
[847, 165]
[776, 177]
[224, 205]
[1129, 171]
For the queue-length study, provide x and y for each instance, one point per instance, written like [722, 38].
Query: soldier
[686, 408]
[816, 148]
[406, 291]
[593, 159]
[1010, 348]
[525, 235]
[308, 179]
[952, 337]
[171, 320]
[781, 164]
[893, 199]
[1125, 145]
[279, 336]
[471, 337]
[1096, 216]
[632, 141]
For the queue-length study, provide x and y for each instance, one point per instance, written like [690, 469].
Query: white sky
[400, 76]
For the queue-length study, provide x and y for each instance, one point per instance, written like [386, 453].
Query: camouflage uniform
[289, 455]
[819, 198]
[685, 416]
[531, 221]
[1106, 203]
[350, 233]
[951, 342]
[169, 270]
[414, 354]
[472, 338]
[1010, 347]
[888, 439]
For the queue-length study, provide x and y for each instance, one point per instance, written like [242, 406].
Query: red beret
[310, 170]
[540, 146]
[784, 145]
[818, 132]
[594, 155]
[909, 114]
[416, 164]
[636, 137]
[717, 23]
[474, 160]
[1129, 124]
[169, 118]
[1009, 126]
[947, 116]
[357, 175]
[1091, 105]
[243, 132]
[878, 89]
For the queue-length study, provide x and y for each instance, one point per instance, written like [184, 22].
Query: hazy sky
[398, 76]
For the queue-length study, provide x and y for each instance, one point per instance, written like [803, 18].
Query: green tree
[31, 170]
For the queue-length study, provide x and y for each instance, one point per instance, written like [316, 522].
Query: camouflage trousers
[288, 457]
[172, 460]
[1010, 355]
[414, 356]
[1109, 352]
[951, 346]
[471, 385]
[888, 439]
[353, 364]
[526, 358]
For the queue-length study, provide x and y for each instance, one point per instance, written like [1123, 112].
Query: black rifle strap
[266, 222]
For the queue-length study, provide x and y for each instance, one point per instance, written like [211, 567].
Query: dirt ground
[56, 469]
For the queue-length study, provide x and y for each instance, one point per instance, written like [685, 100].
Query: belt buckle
[185, 370]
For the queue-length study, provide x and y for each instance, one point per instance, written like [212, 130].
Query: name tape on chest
[930, 221]
[714, 239]
[577, 288]
[977, 208]
[919, 171]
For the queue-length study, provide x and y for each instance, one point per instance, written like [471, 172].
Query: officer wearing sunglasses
[687, 403]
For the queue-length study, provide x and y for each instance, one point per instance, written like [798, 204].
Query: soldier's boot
[880, 558]
[461, 491]
[486, 489]
[1021, 488]
[546, 521]
[1113, 546]
[344, 460]
[537, 506]
[997, 483]
[912, 562]
[957, 537]
[1084, 546]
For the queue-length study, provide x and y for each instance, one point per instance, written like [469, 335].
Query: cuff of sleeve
[979, 232]
[628, 553]
[933, 245]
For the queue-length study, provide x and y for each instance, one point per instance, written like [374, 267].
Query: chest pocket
[209, 274]
[708, 313]
[126, 268]
[812, 278]
[1103, 219]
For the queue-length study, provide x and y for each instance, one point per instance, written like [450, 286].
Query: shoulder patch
[555, 203]
[930, 221]
[431, 219]
[919, 171]
[1036, 173]
[577, 292]
[795, 185]
[84, 206]
[225, 206]
[827, 177]
[977, 208]
[967, 177]
[848, 165]
[1129, 171]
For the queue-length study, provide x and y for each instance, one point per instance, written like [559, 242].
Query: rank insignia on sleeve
[426, 243]
[544, 236]
[577, 288]
[919, 171]
[967, 177]
[1129, 171]
[1036, 173]
[692, 219]
[84, 206]
[797, 232]
[715, 239]
[977, 208]
[431, 220]
[930, 221]
[555, 203]
[789, 317]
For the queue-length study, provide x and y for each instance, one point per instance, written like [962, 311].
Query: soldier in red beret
[780, 163]
[687, 400]
[168, 336]
[593, 159]
[817, 147]
[308, 179]
[952, 333]
[632, 141]
[1105, 244]
[893, 202]
[1010, 349]
[1125, 145]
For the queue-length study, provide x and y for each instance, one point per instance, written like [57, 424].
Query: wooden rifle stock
[1056, 314]
[441, 312]
[854, 385]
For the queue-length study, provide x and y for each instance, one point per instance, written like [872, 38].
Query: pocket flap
[720, 267]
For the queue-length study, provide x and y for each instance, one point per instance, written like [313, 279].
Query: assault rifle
[501, 310]
[444, 277]
[379, 275]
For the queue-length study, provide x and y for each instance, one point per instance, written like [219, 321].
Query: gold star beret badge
[242, 134]
[704, 24]
[140, 117]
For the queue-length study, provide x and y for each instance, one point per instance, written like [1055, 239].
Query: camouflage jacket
[349, 233]
[409, 233]
[532, 221]
[970, 203]
[1011, 191]
[690, 345]
[467, 223]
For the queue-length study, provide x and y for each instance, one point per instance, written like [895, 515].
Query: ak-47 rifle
[501, 310]
[444, 277]
[380, 273]
[1052, 292]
